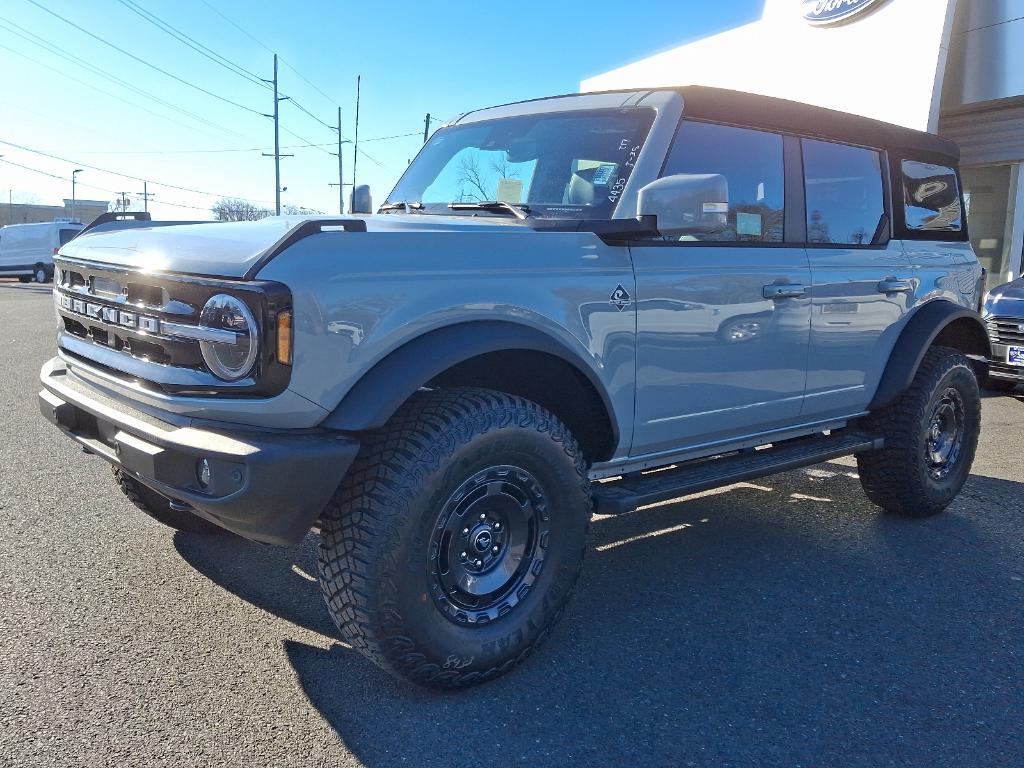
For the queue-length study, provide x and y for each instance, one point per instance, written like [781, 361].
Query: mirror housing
[362, 200]
[686, 202]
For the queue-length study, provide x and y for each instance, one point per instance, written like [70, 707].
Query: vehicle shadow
[779, 621]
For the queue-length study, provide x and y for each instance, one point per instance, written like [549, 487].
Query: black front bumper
[998, 368]
[266, 486]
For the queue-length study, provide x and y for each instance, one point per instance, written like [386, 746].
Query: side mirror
[686, 203]
[362, 201]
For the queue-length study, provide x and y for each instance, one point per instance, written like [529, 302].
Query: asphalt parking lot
[783, 622]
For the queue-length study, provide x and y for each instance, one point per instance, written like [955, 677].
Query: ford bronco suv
[588, 303]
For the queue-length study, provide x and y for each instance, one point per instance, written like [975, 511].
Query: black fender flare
[376, 396]
[925, 325]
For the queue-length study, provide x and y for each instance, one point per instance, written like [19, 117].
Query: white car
[27, 250]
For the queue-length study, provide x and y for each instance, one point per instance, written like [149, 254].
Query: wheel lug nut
[463, 556]
[494, 550]
[497, 526]
[479, 563]
[465, 531]
[483, 516]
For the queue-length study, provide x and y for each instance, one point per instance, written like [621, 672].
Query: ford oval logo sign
[822, 12]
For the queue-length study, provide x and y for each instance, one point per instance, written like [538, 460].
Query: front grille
[144, 327]
[1006, 330]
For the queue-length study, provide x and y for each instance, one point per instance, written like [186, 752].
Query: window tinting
[750, 161]
[931, 197]
[66, 235]
[844, 193]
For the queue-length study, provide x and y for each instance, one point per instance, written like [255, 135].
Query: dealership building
[953, 67]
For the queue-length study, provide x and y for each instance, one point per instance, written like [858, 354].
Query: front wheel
[454, 542]
[41, 274]
[931, 434]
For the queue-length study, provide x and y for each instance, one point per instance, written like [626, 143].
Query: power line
[192, 43]
[30, 37]
[267, 48]
[118, 173]
[143, 61]
[94, 186]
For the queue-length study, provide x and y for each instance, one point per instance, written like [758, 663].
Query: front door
[723, 318]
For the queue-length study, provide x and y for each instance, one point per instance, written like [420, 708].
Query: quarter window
[843, 187]
[751, 162]
[931, 197]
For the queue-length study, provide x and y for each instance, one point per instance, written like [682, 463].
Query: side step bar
[638, 490]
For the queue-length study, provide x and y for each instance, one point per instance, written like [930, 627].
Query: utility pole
[74, 174]
[277, 142]
[355, 151]
[341, 178]
[125, 202]
[426, 128]
[145, 196]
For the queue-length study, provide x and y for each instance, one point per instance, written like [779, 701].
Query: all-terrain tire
[379, 564]
[903, 478]
[159, 507]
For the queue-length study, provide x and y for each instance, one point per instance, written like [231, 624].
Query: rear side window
[66, 235]
[750, 161]
[931, 198]
[843, 188]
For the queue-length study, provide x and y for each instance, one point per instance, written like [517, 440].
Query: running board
[638, 490]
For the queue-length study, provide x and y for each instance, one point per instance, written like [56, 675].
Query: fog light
[203, 472]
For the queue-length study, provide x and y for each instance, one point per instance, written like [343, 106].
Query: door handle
[777, 291]
[894, 286]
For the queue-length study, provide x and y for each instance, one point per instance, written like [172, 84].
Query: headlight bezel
[212, 350]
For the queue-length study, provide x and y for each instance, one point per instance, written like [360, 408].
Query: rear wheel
[453, 544]
[159, 507]
[24, 278]
[931, 434]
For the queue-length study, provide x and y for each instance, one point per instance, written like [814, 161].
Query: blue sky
[414, 58]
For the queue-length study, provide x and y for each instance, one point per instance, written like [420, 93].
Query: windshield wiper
[401, 206]
[521, 212]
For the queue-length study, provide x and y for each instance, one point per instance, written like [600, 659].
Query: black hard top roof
[739, 108]
[722, 105]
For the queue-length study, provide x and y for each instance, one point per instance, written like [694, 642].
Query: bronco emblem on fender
[620, 298]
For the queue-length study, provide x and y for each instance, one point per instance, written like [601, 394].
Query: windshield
[560, 164]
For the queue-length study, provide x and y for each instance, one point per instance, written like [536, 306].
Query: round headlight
[229, 355]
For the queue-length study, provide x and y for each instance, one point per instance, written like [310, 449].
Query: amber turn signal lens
[284, 337]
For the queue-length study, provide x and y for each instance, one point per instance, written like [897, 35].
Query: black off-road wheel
[931, 434]
[454, 542]
[159, 507]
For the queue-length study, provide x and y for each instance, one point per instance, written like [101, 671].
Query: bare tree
[475, 182]
[237, 209]
[298, 210]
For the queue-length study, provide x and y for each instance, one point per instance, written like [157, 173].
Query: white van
[27, 250]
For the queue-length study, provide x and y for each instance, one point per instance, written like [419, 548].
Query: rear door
[723, 319]
[861, 278]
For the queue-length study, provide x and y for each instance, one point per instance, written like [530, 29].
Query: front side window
[751, 162]
[931, 197]
[843, 188]
[558, 164]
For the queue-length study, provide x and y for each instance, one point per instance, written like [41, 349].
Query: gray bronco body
[652, 350]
